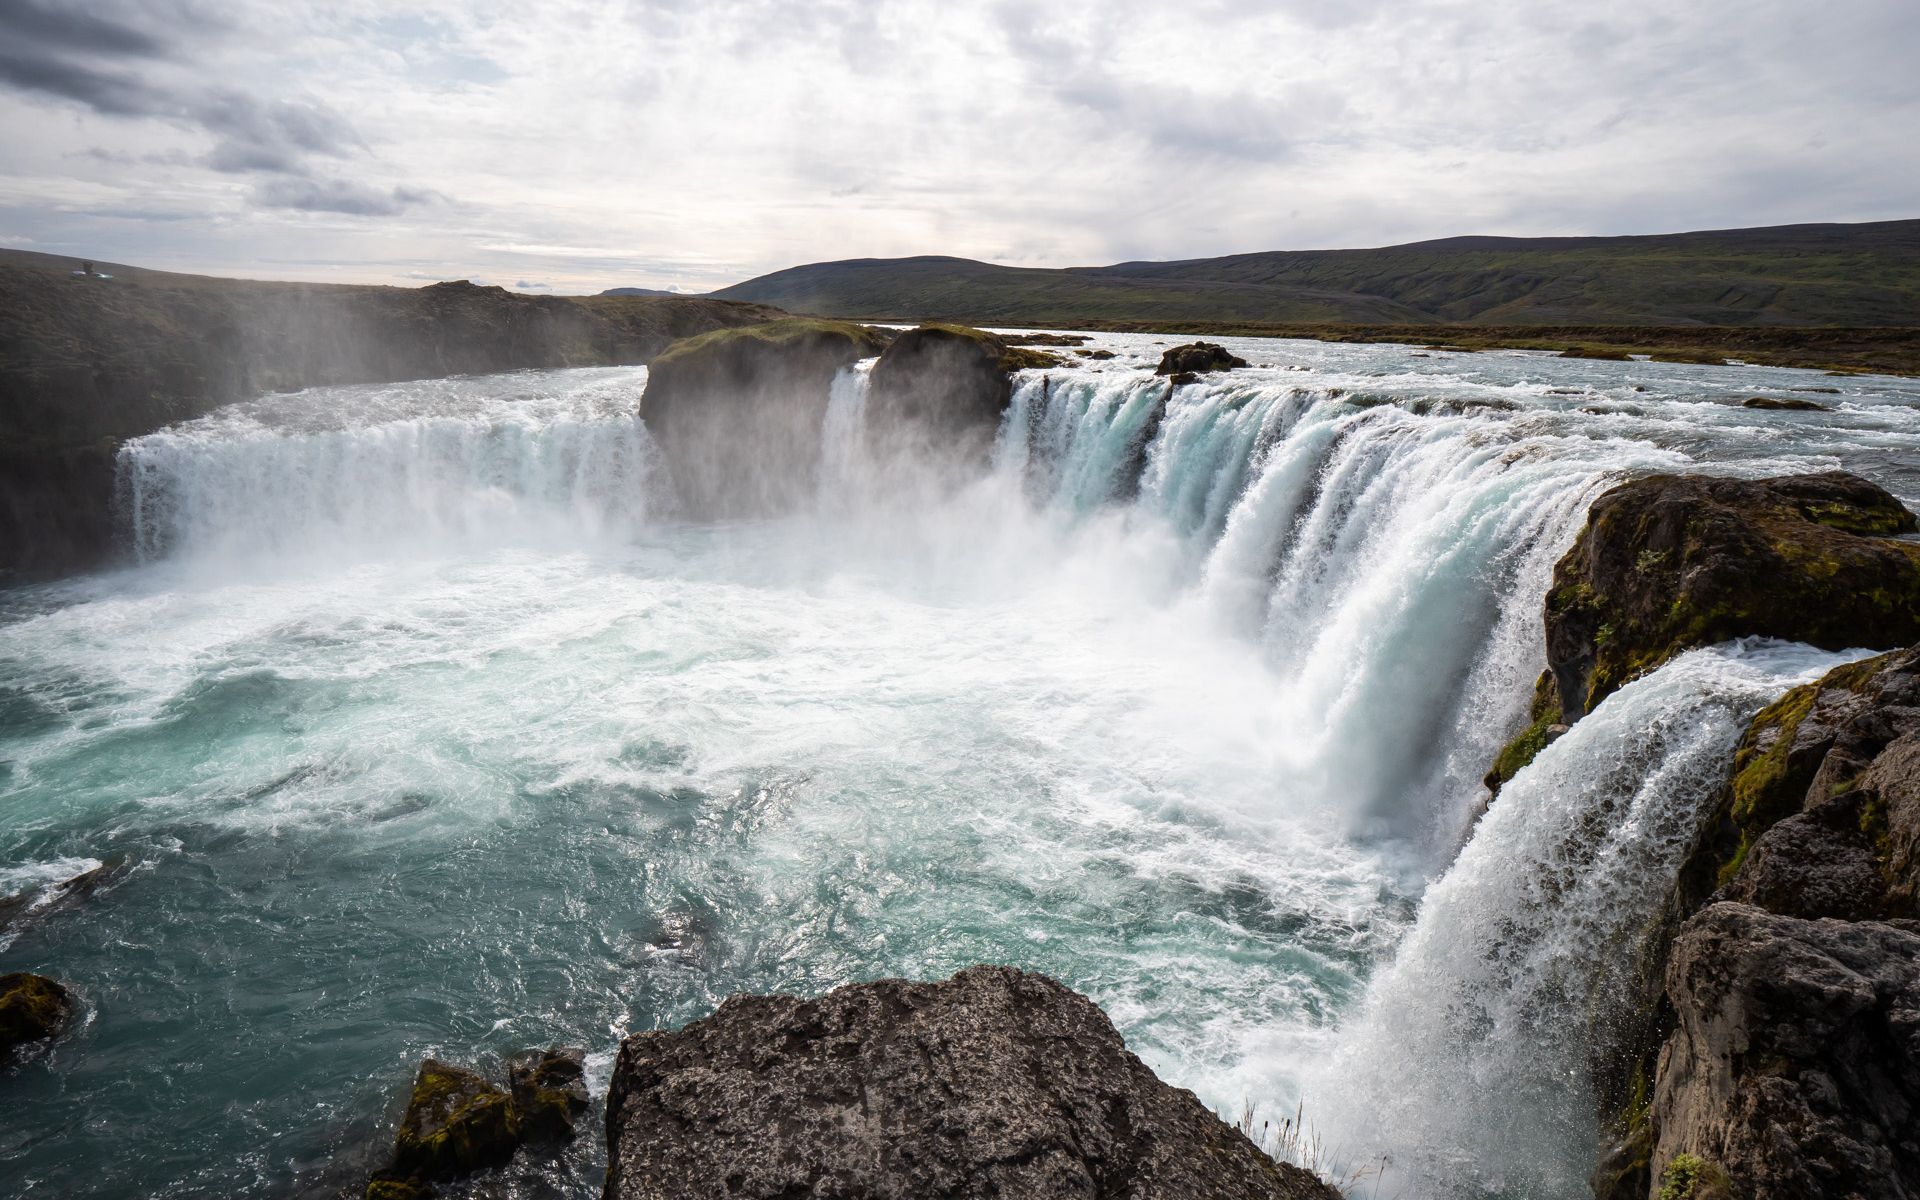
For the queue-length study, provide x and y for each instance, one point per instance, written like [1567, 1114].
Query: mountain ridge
[1817, 275]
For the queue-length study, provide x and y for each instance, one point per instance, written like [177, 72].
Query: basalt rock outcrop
[33, 1009]
[88, 363]
[944, 388]
[1187, 363]
[993, 1083]
[1783, 1054]
[737, 413]
[1670, 563]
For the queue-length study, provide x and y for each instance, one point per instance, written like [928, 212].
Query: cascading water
[426, 730]
[1469, 1060]
[428, 464]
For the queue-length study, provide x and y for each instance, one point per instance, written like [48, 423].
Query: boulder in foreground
[993, 1083]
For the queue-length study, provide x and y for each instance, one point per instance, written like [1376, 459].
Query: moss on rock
[1544, 725]
[1670, 563]
[456, 1123]
[549, 1091]
[33, 1008]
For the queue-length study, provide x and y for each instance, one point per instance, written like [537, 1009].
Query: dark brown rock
[1197, 358]
[1795, 1065]
[1822, 810]
[1777, 404]
[33, 1008]
[993, 1083]
[737, 412]
[549, 1089]
[943, 389]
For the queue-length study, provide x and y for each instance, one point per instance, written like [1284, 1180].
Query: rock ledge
[993, 1083]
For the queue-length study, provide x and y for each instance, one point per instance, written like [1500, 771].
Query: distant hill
[639, 291]
[1862, 275]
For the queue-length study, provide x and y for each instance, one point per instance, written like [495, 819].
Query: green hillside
[1864, 275]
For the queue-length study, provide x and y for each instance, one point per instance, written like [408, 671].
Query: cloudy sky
[670, 143]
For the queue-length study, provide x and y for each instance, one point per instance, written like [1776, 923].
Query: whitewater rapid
[431, 728]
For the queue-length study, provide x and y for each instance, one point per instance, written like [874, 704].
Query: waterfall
[442, 462]
[1388, 559]
[1468, 1062]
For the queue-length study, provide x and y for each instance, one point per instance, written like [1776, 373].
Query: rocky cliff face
[1792, 1061]
[1774, 1050]
[994, 1083]
[1794, 1069]
[86, 364]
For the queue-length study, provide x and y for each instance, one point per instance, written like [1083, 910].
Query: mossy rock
[1543, 727]
[1777, 404]
[456, 1123]
[1669, 563]
[1780, 760]
[549, 1091]
[1690, 1177]
[33, 1008]
[787, 333]
[1625, 1171]
[382, 1188]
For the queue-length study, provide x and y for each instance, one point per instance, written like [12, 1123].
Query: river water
[419, 723]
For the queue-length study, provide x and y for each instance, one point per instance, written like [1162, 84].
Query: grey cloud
[338, 196]
[270, 136]
[30, 23]
[112, 92]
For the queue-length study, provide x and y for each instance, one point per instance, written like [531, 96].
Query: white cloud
[690, 144]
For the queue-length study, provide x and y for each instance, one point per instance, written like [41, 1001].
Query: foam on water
[436, 738]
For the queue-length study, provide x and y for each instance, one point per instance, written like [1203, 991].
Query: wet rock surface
[993, 1083]
[33, 1008]
[549, 1090]
[1784, 404]
[459, 1122]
